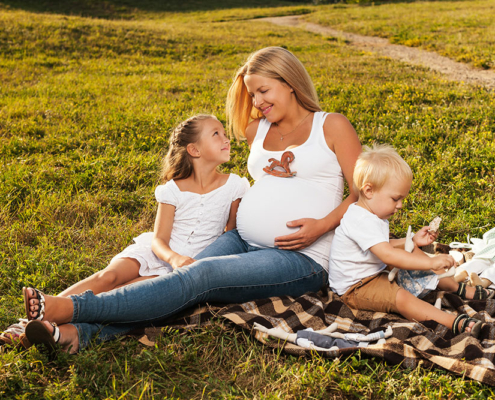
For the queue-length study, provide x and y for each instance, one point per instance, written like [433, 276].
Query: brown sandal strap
[461, 290]
[479, 293]
[455, 325]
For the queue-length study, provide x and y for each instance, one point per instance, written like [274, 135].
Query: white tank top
[314, 191]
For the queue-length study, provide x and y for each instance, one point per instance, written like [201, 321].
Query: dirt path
[451, 69]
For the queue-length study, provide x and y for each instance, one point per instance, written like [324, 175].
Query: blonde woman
[299, 159]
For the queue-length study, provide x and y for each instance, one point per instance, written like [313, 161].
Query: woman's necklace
[298, 125]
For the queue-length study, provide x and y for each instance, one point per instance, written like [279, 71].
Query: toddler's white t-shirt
[350, 257]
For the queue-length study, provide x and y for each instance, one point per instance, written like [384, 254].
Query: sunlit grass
[461, 30]
[86, 107]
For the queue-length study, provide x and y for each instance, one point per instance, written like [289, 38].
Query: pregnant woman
[299, 159]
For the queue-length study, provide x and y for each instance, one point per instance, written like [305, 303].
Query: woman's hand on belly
[310, 230]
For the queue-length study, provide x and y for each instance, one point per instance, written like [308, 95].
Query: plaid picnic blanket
[411, 343]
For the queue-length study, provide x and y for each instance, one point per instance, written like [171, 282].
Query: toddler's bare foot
[42, 306]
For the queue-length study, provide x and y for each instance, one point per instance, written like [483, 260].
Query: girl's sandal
[475, 329]
[15, 335]
[40, 313]
[483, 294]
[37, 333]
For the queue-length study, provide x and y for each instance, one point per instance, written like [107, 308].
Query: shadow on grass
[127, 9]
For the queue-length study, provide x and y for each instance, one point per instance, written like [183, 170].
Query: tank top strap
[317, 134]
[261, 132]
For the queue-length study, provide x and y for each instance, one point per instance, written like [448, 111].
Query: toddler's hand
[442, 262]
[423, 237]
[181, 261]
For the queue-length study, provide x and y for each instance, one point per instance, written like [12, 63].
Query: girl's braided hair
[177, 163]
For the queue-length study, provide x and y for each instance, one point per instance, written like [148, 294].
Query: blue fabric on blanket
[324, 341]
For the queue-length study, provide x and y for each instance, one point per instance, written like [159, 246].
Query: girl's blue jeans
[227, 271]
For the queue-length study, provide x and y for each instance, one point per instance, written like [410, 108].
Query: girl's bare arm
[160, 245]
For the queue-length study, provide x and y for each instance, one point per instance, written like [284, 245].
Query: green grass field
[461, 30]
[88, 95]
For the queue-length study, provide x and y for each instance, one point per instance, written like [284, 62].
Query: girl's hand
[181, 261]
[310, 230]
[442, 262]
[423, 237]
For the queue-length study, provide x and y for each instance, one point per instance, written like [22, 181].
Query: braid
[177, 163]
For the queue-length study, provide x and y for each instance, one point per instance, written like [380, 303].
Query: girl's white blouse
[199, 220]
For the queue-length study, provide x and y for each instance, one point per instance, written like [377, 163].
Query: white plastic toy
[409, 247]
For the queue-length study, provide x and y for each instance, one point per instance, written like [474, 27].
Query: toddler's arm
[160, 245]
[412, 261]
[232, 222]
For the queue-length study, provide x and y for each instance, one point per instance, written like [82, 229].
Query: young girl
[361, 249]
[195, 206]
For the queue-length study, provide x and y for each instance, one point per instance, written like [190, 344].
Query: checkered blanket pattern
[411, 343]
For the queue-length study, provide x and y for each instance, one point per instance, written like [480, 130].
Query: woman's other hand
[310, 230]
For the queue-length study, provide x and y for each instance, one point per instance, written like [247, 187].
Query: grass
[461, 30]
[86, 107]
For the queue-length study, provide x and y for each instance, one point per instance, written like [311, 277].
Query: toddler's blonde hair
[270, 62]
[377, 164]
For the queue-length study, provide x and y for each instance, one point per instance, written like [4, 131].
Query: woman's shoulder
[341, 136]
[336, 121]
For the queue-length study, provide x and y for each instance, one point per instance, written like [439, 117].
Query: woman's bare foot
[57, 309]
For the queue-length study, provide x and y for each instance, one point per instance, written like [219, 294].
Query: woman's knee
[201, 270]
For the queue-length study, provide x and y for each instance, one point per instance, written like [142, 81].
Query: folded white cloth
[485, 248]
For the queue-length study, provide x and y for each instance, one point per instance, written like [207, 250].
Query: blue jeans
[227, 271]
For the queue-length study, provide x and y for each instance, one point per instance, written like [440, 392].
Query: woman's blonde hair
[177, 163]
[270, 62]
[377, 164]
